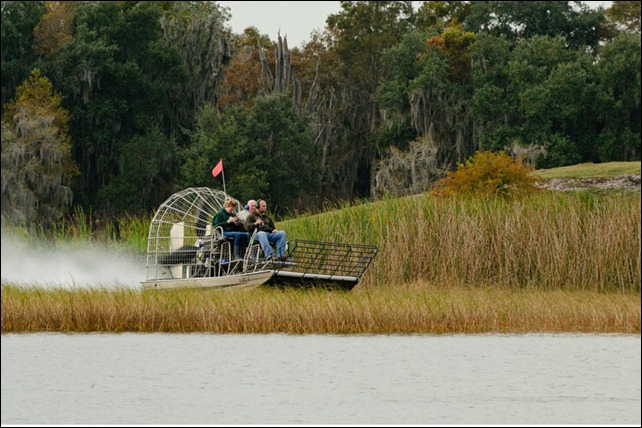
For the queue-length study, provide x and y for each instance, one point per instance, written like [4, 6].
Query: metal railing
[326, 260]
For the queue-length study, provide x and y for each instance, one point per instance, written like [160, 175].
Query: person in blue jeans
[232, 227]
[266, 233]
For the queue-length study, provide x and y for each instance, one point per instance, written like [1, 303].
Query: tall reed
[128, 232]
[133, 231]
[78, 226]
[578, 241]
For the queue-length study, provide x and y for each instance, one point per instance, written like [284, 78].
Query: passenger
[266, 233]
[250, 207]
[232, 227]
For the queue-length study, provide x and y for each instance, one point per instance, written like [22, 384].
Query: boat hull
[247, 280]
[283, 278]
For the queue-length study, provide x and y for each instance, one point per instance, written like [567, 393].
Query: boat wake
[69, 265]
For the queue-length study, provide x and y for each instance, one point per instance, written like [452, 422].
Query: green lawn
[591, 170]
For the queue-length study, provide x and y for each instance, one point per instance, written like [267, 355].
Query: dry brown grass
[415, 308]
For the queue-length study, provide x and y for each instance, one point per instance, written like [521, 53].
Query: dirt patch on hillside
[625, 182]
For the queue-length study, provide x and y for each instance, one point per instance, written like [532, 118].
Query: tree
[118, 72]
[346, 109]
[196, 30]
[244, 75]
[36, 155]
[267, 152]
[495, 98]
[626, 15]
[617, 104]
[431, 74]
[250, 37]
[18, 57]
[55, 27]
[206, 147]
[147, 164]
[515, 20]
[439, 14]
[286, 152]
[532, 63]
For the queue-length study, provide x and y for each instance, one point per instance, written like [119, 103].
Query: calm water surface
[320, 379]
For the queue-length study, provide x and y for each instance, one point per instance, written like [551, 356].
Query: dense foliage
[488, 174]
[157, 92]
[36, 154]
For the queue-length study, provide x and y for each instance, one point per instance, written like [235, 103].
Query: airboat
[184, 251]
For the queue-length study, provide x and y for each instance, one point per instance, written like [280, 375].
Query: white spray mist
[69, 265]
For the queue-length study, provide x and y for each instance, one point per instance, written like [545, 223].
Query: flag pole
[218, 169]
[223, 173]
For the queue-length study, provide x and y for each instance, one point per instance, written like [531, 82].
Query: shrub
[487, 173]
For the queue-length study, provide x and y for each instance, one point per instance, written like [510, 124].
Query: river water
[53, 378]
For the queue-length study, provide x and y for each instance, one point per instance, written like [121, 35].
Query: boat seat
[227, 265]
[220, 238]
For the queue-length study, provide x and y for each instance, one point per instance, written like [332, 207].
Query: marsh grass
[81, 226]
[550, 241]
[417, 307]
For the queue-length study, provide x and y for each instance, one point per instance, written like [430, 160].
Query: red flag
[218, 168]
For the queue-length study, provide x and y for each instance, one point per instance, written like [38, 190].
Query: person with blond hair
[232, 227]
